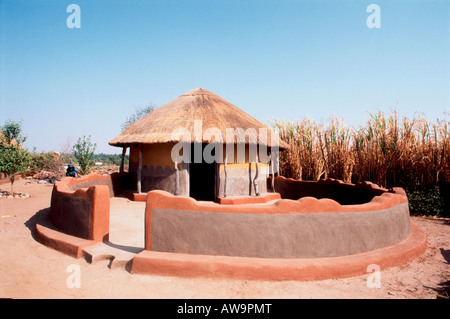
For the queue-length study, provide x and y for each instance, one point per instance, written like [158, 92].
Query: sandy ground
[31, 270]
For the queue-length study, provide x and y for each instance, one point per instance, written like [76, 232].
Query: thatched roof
[186, 112]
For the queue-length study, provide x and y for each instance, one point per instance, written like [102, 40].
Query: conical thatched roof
[186, 112]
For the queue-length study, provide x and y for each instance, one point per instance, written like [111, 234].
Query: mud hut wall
[82, 212]
[158, 168]
[159, 173]
[241, 170]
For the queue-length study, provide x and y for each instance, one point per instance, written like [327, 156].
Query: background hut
[202, 115]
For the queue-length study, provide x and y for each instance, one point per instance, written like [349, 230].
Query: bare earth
[31, 270]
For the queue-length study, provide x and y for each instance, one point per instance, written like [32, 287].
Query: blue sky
[274, 59]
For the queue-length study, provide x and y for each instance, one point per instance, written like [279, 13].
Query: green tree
[138, 114]
[83, 151]
[47, 161]
[14, 158]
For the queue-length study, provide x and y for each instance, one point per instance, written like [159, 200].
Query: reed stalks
[388, 151]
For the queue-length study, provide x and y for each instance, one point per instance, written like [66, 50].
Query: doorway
[202, 177]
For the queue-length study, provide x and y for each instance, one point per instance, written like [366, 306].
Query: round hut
[202, 146]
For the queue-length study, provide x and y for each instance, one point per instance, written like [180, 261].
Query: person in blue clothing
[71, 171]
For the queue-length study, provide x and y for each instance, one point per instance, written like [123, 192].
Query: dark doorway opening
[202, 176]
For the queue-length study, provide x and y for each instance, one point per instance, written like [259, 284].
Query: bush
[83, 151]
[51, 162]
[14, 158]
[427, 202]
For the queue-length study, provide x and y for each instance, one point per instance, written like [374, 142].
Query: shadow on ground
[31, 223]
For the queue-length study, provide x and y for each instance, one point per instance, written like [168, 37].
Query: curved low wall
[304, 239]
[304, 269]
[80, 206]
[343, 193]
[304, 228]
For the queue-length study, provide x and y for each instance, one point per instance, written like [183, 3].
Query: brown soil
[31, 270]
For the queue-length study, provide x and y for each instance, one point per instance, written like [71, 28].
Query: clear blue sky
[273, 59]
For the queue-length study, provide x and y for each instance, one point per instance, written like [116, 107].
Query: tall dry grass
[386, 150]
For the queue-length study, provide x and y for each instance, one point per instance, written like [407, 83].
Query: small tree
[67, 151]
[14, 158]
[138, 114]
[83, 151]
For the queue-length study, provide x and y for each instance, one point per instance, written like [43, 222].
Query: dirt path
[31, 270]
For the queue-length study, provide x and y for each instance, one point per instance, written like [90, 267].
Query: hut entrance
[201, 177]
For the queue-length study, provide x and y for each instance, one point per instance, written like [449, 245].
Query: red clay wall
[343, 193]
[81, 206]
[304, 228]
